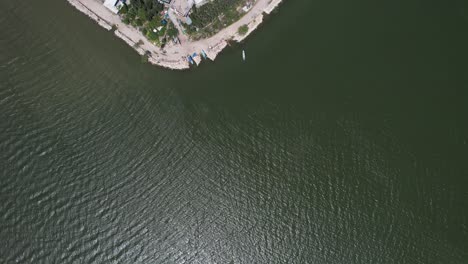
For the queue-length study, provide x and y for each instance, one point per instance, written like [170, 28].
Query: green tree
[130, 15]
[152, 36]
[162, 31]
[142, 14]
[131, 11]
[154, 23]
[242, 30]
[172, 31]
[138, 22]
[123, 9]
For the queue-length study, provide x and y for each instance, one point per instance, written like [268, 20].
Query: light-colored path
[173, 56]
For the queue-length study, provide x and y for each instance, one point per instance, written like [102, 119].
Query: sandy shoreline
[173, 56]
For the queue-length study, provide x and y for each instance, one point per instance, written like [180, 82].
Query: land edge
[157, 58]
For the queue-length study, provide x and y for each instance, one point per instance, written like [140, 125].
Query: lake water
[342, 139]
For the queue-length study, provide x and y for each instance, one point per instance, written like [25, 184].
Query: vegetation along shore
[177, 33]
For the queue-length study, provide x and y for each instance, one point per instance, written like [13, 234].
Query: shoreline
[173, 55]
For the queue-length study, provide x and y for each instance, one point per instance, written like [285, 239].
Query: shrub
[138, 44]
[144, 58]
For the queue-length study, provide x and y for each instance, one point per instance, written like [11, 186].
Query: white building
[199, 3]
[113, 5]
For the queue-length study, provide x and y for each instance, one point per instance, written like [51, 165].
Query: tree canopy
[143, 9]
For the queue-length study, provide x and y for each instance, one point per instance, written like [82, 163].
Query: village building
[114, 5]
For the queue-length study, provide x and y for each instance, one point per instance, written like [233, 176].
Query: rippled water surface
[342, 139]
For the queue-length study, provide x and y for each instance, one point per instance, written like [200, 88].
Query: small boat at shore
[190, 59]
[204, 54]
[243, 55]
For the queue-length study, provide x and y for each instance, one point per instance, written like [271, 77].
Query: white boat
[243, 55]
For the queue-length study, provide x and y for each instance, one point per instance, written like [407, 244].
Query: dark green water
[342, 139]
